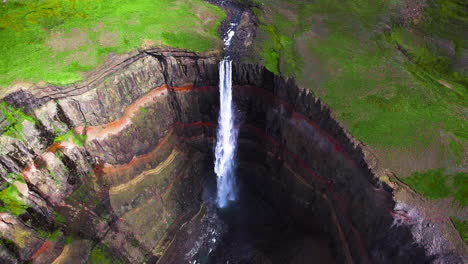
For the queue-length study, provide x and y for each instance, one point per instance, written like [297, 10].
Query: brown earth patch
[446, 84]
[405, 161]
[313, 75]
[109, 39]
[68, 41]
[412, 12]
[85, 57]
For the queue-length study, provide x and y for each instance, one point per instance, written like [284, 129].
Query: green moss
[432, 184]
[53, 236]
[278, 52]
[69, 239]
[77, 139]
[85, 194]
[271, 48]
[7, 243]
[59, 154]
[101, 255]
[12, 200]
[57, 40]
[144, 110]
[460, 185]
[134, 242]
[462, 227]
[457, 150]
[15, 177]
[60, 219]
[15, 118]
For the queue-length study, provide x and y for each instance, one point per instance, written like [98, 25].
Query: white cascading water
[226, 140]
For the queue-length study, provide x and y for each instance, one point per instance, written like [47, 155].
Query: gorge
[163, 155]
[136, 187]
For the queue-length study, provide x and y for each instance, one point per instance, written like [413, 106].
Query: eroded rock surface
[116, 167]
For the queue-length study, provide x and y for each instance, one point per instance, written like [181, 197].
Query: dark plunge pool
[249, 230]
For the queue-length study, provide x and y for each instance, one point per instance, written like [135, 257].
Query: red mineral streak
[112, 128]
[265, 95]
[330, 186]
[99, 132]
[55, 147]
[192, 88]
[110, 169]
[44, 248]
[204, 124]
[102, 131]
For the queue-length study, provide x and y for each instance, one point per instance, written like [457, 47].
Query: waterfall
[226, 139]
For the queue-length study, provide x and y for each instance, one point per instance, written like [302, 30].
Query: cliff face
[102, 161]
[115, 167]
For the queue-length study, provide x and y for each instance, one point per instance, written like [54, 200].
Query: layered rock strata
[115, 166]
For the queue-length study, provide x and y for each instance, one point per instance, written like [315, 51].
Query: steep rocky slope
[114, 168]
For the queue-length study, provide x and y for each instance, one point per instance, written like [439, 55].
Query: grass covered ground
[56, 40]
[392, 72]
[462, 228]
[392, 75]
[386, 100]
[435, 184]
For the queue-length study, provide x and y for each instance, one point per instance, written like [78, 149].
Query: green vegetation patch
[144, 110]
[457, 150]
[278, 52]
[56, 40]
[53, 236]
[85, 194]
[59, 219]
[77, 139]
[11, 200]
[101, 255]
[432, 184]
[445, 19]
[460, 184]
[15, 118]
[435, 184]
[462, 227]
[69, 239]
[392, 87]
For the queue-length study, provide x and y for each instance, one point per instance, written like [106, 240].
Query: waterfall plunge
[226, 140]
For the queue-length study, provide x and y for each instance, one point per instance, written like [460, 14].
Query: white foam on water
[226, 140]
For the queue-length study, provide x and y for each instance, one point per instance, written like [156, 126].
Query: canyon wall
[115, 166]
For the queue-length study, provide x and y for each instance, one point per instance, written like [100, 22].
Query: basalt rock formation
[130, 179]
